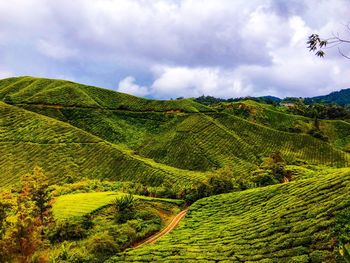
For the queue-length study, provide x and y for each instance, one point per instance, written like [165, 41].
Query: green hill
[93, 132]
[39, 91]
[336, 131]
[282, 223]
[341, 97]
[29, 139]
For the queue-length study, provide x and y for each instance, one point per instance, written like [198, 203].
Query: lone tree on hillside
[317, 44]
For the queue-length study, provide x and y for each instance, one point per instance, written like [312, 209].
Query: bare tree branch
[318, 45]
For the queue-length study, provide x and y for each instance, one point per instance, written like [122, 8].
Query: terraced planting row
[266, 115]
[129, 128]
[19, 125]
[282, 223]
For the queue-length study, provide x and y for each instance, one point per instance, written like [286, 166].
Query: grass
[79, 204]
[282, 223]
[72, 205]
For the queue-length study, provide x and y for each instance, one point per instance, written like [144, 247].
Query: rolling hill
[85, 131]
[29, 139]
[75, 131]
[341, 97]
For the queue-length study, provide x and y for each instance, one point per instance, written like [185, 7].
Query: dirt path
[165, 231]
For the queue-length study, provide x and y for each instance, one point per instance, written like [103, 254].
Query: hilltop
[341, 97]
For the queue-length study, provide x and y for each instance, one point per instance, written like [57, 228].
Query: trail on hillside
[165, 231]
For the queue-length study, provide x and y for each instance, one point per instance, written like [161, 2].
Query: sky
[177, 48]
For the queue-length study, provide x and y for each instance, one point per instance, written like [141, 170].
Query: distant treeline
[210, 100]
[341, 98]
[308, 107]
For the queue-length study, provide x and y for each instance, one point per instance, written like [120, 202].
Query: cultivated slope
[29, 90]
[337, 131]
[29, 139]
[106, 134]
[209, 141]
[282, 223]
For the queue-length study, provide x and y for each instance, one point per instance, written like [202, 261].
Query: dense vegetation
[117, 168]
[292, 222]
[341, 97]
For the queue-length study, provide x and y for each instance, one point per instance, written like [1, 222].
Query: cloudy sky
[170, 48]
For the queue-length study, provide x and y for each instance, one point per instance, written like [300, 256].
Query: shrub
[300, 259]
[102, 244]
[124, 208]
[319, 256]
[69, 229]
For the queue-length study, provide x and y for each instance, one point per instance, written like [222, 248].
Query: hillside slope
[149, 141]
[282, 223]
[341, 97]
[29, 139]
[337, 131]
[40, 91]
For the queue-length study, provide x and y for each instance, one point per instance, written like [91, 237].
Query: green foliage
[272, 171]
[69, 229]
[124, 203]
[342, 232]
[281, 223]
[124, 208]
[25, 218]
[102, 244]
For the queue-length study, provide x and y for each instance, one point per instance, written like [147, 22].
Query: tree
[318, 45]
[124, 208]
[41, 195]
[25, 223]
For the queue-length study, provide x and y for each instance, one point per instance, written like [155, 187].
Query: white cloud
[6, 74]
[129, 86]
[181, 47]
[55, 50]
[194, 82]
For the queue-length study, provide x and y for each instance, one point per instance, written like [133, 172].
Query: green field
[71, 205]
[79, 204]
[282, 223]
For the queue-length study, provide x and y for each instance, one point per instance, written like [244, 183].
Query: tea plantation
[281, 223]
[262, 184]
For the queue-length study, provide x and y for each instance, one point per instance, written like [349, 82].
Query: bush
[102, 244]
[124, 208]
[318, 134]
[300, 259]
[320, 256]
[72, 229]
[67, 253]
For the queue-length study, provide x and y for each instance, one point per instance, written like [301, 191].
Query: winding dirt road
[165, 231]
